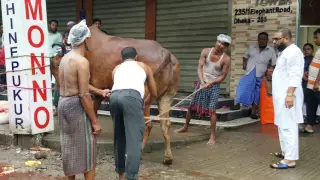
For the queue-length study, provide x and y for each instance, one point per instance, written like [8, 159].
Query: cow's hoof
[167, 161]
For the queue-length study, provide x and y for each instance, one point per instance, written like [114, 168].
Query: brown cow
[104, 55]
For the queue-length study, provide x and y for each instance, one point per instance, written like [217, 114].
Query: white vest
[129, 75]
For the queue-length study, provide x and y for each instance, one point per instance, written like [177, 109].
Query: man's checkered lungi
[78, 144]
[205, 101]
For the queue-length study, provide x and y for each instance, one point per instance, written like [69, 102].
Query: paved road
[242, 154]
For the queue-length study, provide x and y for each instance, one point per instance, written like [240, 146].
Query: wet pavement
[156, 133]
[242, 154]
[155, 141]
[245, 154]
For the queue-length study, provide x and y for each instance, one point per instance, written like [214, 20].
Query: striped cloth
[55, 95]
[248, 90]
[314, 70]
[205, 101]
[78, 144]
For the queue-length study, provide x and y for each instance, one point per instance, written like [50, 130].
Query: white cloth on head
[224, 38]
[78, 33]
[289, 142]
[288, 73]
[71, 23]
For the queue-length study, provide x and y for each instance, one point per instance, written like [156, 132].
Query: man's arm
[202, 61]
[86, 101]
[244, 63]
[245, 59]
[317, 83]
[94, 90]
[151, 83]
[295, 72]
[225, 70]
[273, 58]
[99, 92]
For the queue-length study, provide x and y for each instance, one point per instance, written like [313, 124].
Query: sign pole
[25, 34]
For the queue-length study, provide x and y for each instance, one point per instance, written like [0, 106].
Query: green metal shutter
[62, 11]
[186, 27]
[124, 18]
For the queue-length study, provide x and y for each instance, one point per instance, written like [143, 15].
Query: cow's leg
[148, 125]
[164, 105]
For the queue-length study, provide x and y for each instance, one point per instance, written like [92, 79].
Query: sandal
[281, 166]
[279, 155]
[308, 130]
[303, 130]
[254, 116]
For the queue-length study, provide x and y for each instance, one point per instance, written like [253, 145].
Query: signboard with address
[260, 11]
[249, 18]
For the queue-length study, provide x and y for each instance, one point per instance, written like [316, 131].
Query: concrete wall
[244, 34]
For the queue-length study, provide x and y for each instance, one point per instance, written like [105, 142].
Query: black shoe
[254, 116]
[235, 107]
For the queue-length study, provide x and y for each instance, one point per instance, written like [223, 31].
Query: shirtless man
[213, 68]
[78, 121]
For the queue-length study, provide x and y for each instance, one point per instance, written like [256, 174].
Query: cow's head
[55, 62]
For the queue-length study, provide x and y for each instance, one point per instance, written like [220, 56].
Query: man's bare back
[69, 73]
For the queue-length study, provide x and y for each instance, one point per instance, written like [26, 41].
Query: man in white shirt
[54, 37]
[126, 108]
[287, 96]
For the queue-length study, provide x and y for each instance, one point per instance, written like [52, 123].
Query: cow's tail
[173, 63]
[168, 59]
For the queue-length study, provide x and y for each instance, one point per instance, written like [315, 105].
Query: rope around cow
[158, 116]
[21, 70]
[149, 117]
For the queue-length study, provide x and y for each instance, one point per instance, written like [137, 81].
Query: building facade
[185, 27]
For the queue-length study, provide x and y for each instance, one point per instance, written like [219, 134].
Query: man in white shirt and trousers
[287, 96]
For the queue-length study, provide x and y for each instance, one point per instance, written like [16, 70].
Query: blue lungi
[248, 90]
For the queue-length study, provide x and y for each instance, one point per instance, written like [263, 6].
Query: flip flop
[281, 166]
[302, 130]
[279, 155]
[306, 131]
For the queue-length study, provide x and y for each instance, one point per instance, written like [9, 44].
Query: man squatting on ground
[78, 121]
[212, 70]
[287, 97]
[127, 107]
